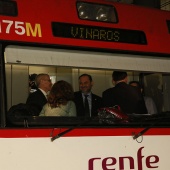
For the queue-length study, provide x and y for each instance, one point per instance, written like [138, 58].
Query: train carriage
[66, 38]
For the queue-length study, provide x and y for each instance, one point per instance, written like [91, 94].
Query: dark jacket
[96, 104]
[127, 97]
[36, 100]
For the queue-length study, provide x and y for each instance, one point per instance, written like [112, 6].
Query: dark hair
[32, 77]
[89, 76]
[60, 94]
[119, 75]
[138, 86]
[137, 83]
[32, 83]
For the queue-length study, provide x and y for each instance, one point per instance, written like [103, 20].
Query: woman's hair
[60, 94]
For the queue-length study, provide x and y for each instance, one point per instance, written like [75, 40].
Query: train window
[25, 62]
[96, 12]
[8, 8]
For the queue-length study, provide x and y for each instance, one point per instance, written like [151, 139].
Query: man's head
[43, 82]
[85, 83]
[136, 84]
[119, 76]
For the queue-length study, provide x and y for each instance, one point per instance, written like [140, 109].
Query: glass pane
[96, 12]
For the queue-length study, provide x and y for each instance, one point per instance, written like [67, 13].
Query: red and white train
[66, 38]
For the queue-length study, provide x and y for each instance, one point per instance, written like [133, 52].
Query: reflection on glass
[98, 12]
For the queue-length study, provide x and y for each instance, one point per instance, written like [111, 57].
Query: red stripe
[78, 132]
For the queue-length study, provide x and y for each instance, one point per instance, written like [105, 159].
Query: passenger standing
[150, 104]
[127, 97]
[60, 101]
[87, 103]
[32, 85]
[38, 99]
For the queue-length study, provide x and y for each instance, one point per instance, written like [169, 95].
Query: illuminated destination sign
[85, 32]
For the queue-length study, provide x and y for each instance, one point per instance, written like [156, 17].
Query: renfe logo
[150, 161]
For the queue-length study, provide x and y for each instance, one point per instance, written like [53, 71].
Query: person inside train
[150, 104]
[87, 103]
[128, 98]
[38, 99]
[32, 85]
[60, 100]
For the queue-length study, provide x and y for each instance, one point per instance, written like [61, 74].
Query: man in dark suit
[38, 99]
[127, 97]
[93, 101]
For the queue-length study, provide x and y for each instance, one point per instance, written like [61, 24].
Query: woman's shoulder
[70, 103]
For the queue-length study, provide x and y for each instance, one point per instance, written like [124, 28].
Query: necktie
[86, 106]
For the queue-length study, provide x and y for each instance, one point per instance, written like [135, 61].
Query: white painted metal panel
[85, 153]
[82, 59]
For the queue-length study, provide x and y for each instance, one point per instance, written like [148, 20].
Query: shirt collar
[86, 94]
[45, 94]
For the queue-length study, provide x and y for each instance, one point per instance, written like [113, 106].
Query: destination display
[86, 32]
